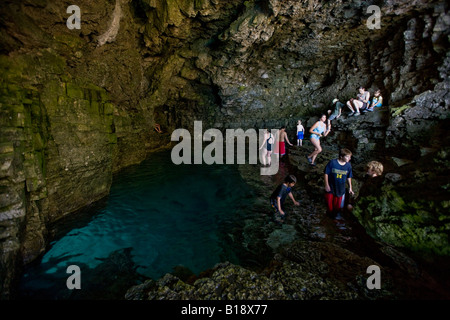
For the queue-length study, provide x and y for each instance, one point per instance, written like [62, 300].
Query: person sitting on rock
[360, 103]
[281, 192]
[377, 101]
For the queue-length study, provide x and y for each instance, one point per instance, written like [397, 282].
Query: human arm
[367, 96]
[287, 139]
[327, 185]
[279, 206]
[293, 200]
[350, 189]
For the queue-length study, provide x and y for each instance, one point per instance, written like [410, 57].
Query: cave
[79, 105]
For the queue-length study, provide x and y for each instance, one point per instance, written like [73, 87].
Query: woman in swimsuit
[319, 129]
[267, 145]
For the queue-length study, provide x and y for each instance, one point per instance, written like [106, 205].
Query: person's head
[377, 93]
[361, 89]
[335, 100]
[282, 128]
[323, 117]
[345, 155]
[290, 180]
[299, 122]
[374, 169]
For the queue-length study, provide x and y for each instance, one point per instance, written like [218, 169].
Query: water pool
[167, 215]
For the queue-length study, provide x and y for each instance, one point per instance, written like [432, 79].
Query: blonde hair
[376, 167]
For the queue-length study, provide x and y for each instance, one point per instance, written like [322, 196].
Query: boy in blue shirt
[281, 192]
[336, 173]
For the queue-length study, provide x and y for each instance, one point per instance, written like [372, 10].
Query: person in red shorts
[336, 174]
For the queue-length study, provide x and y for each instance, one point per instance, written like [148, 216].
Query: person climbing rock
[317, 131]
[336, 111]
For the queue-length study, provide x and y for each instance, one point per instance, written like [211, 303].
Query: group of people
[337, 173]
[362, 103]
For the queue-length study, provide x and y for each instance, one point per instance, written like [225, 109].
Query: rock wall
[80, 104]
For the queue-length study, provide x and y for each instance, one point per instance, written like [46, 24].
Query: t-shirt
[281, 191]
[363, 96]
[337, 176]
[300, 128]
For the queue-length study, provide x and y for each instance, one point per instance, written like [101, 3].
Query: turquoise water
[168, 215]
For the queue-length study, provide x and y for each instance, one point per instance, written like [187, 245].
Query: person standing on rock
[300, 133]
[283, 137]
[318, 130]
[336, 174]
[267, 145]
[359, 104]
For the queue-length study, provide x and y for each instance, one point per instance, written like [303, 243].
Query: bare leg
[349, 105]
[317, 150]
[358, 105]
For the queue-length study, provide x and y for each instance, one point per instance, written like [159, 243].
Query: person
[377, 101]
[374, 169]
[336, 173]
[337, 109]
[279, 195]
[283, 137]
[267, 145]
[317, 130]
[300, 133]
[360, 103]
[372, 182]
